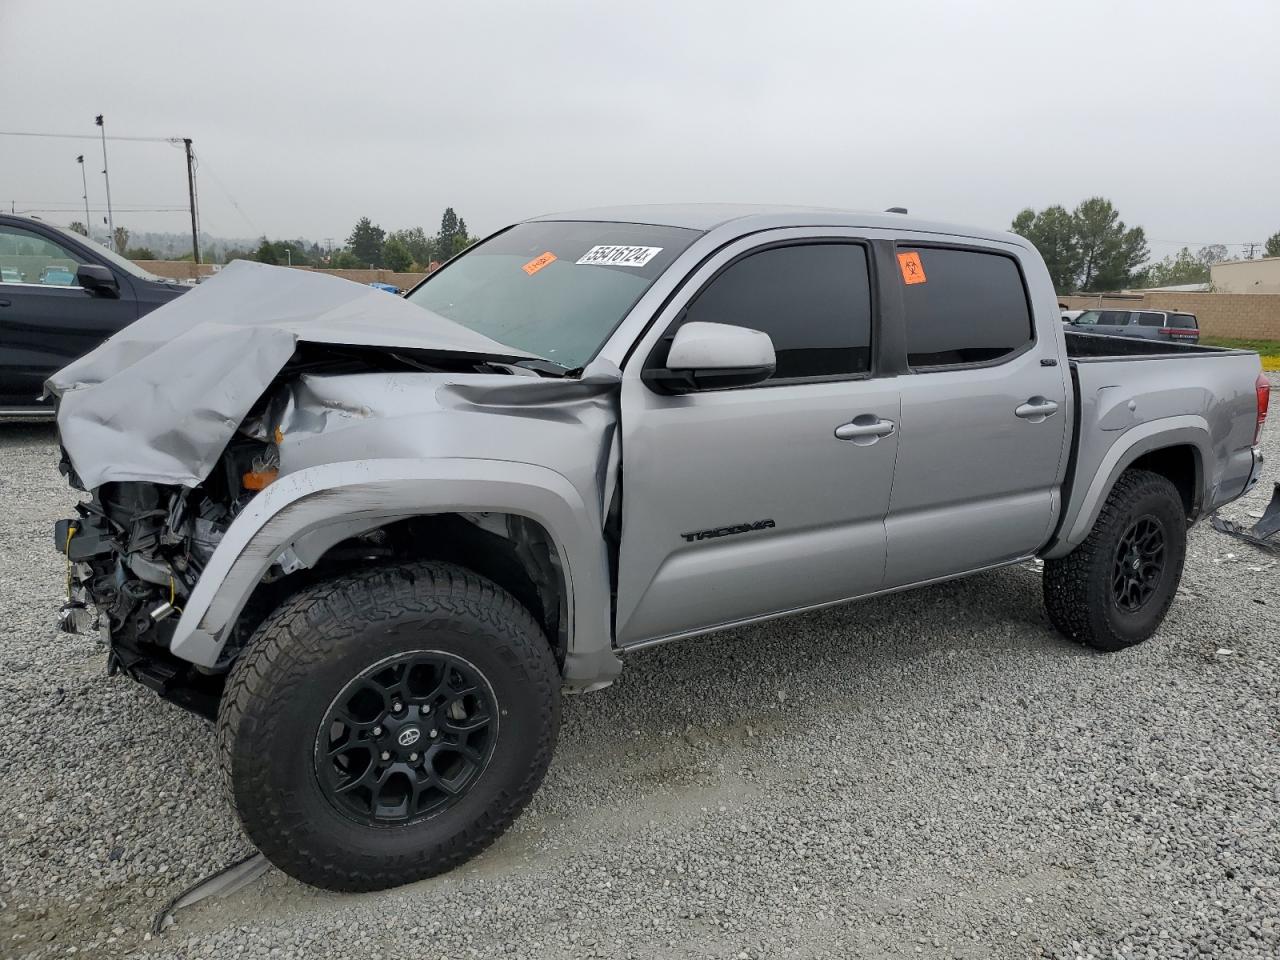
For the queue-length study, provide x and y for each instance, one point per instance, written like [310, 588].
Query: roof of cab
[751, 216]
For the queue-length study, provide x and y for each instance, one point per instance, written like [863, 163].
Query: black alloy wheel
[1113, 590]
[1139, 564]
[406, 738]
[388, 724]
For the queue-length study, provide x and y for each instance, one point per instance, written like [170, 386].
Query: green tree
[346, 260]
[1110, 252]
[141, 253]
[421, 247]
[452, 238]
[1184, 267]
[1214, 253]
[121, 240]
[77, 227]
[267, 252]
[396, 255]
[365, 243]
[1052, 231]
[1272, 249]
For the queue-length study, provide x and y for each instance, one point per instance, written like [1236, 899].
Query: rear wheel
[1114, 590]
[386, 726]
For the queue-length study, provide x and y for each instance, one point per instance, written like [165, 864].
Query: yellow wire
[173, 595]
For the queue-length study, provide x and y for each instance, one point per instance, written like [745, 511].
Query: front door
[46, 318]
[984, 421]
[743, 502]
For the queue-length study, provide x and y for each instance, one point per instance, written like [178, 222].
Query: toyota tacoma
[376, 538]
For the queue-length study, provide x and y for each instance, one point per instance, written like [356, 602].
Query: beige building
[1246, 276]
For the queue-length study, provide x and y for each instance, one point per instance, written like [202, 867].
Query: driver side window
[812, 299]
[29, 258]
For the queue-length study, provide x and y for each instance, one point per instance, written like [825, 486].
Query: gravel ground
[933, 774]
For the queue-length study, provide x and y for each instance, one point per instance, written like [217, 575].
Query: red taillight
[1170, 331]
[1264, 400]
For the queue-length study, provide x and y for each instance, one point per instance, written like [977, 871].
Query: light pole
[88, 224]
[111, 224]
[288, 254]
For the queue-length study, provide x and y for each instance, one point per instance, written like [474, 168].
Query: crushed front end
[134, 553]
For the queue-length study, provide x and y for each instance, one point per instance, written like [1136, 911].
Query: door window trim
[662, 344]
[1026, 295]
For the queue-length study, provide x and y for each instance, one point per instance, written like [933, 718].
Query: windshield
[556, 289]
[128, 266]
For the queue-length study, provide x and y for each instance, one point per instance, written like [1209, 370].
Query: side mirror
[98, 280]
[708, 356]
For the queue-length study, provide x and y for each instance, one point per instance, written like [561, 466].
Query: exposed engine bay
[136, 549]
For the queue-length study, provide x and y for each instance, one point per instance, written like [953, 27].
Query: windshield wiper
[549, 367]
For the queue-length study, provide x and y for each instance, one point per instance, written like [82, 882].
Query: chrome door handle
[1037, 409]
[866, 428]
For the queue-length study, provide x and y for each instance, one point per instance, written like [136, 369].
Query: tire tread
[1070, 596]
[303, 631]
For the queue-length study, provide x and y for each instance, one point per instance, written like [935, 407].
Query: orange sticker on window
[911, 267]
[537, 263]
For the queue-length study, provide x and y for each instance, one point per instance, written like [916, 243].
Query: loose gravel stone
[931, 774]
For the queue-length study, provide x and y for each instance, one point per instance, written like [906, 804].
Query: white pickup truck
[377, 537]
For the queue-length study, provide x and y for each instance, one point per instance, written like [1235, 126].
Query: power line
[76, 209]
[227, 193]
[85, 136]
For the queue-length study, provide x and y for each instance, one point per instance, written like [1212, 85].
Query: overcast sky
[306, 116]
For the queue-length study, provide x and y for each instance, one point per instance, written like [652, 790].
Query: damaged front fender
[299, 512]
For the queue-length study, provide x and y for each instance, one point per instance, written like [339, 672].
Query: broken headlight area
[135, 551]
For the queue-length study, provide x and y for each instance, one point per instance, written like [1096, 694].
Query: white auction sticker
[616, 256]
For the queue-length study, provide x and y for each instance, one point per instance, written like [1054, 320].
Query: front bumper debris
[1264, 534]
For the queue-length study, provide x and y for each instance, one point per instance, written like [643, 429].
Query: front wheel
[387, 726]
[1114, 589]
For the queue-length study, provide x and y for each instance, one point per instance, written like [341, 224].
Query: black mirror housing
[98, 280]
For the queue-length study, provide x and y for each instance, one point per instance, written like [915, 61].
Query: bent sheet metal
[160, 400]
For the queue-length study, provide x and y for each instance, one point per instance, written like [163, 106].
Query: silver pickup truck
[376, 538]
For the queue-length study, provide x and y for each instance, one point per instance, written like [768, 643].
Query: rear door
[46, 318]
[743, 502]
[1150, 325]
[984, 425]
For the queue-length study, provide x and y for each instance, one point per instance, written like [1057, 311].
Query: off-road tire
[316, 642]
[1078, 588]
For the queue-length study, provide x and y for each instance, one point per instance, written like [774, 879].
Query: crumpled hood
[161, 399]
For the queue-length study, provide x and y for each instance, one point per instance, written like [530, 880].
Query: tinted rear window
[971, 307]
[1183, 321]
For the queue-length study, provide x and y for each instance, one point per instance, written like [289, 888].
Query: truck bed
[1126, 388]
[1096, 346]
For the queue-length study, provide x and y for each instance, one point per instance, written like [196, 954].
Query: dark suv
[1148, 324]
[61, 295]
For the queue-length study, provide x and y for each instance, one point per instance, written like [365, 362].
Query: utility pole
[1249, 253]
[111, 224]
[88, 224]
[191, 195]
